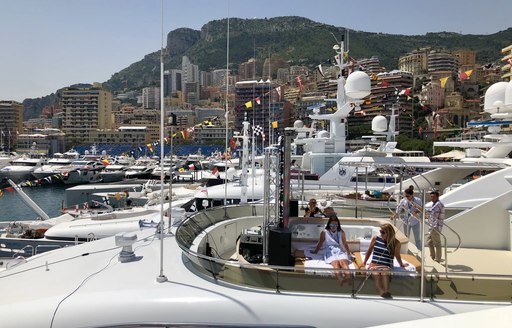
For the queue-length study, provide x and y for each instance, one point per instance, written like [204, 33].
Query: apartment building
[85, 110]
[11, 122]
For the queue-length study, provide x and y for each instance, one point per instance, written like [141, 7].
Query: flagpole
[161, 277]
[226, 114]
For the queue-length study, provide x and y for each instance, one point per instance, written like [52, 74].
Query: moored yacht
[21, 168]
[54, 164]
[81, 171]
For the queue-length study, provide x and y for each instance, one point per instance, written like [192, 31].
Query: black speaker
[279, 247]
[294, 208]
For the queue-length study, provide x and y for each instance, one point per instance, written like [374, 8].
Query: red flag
[258, 101]
[232, 143]
[215, 170]
[385, 83]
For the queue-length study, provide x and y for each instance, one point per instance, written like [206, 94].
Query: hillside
[299, 40]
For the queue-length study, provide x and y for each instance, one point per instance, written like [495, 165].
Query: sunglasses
[382, 232]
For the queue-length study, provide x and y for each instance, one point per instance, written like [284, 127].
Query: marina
[290, 223]
[239, 256]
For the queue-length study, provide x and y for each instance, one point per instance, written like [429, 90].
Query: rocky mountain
[298, 40]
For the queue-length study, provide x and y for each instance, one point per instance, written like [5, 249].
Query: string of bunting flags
[32, 183]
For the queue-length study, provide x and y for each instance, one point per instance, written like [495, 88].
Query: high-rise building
[151, 98]
[415, 62]
[250, 70]
[11, 122]
[190, 72]
[507, 58]
[172, 81]
[85, 109]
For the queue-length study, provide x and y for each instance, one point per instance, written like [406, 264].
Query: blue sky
[49, 44]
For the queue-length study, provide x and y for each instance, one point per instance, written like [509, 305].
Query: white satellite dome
[495, 98]
[379, 123]
[323, 134]
[358, 85]
[298, 124]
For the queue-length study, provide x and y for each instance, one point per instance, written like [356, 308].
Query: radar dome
[298, 124]
[379, 124]
[358, 85]
[323, 134]
[495, 97]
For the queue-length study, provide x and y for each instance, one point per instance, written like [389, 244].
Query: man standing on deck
[435, 221]
[412, 206]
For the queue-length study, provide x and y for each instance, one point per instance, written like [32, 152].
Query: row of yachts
[73, 168]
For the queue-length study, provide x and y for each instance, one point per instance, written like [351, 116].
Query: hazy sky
[49, 44]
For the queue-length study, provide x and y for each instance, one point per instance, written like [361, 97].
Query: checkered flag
[257, 130]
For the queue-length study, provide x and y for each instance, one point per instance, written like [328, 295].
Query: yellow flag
[275, 124]
[443, 81]
[468, 73]
[248, 104]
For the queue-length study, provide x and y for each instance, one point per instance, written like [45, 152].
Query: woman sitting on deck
[384, 247]
[336, 252]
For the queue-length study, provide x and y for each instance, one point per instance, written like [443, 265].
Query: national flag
[465, 75]
[86, 206]
[105, 162]
[320, 70]
[405, 92]
[248, 104]
[182, 134]
[374, 77]
[150, 147]
[215, 170]
[443, 81]
[275, 124]
[232, 143]
[192, 167]
[258, 101]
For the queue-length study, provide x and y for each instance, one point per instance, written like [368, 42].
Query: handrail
[458, 237]
[23, 250]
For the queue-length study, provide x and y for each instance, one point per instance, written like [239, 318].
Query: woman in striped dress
[384, 248]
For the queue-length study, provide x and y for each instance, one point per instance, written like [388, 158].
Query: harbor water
[49, 197]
